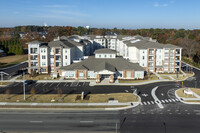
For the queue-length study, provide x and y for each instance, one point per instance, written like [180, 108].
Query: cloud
[58, 6]
[160, 5]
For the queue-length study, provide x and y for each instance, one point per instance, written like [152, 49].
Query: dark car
[27, 82]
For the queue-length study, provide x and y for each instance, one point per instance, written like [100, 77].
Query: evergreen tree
[21, 50]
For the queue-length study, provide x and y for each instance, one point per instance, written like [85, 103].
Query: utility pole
[116, 128]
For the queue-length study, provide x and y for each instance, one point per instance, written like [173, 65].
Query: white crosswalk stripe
[166, 101]
[173, 100]
[177, 99]
[152, 102]
[163, 101]
[169, 100]
[141, 103]
[144, 103]
[148, 102]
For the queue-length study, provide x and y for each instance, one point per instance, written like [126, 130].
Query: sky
[128, 14]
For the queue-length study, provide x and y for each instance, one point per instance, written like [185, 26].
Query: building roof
[144, 44]
[98, 64]
[35, 42]
[171, 46]
[61, 43]
[105, 51]
[105, 66]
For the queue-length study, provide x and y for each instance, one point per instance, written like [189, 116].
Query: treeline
[189, 40]
[12, 47]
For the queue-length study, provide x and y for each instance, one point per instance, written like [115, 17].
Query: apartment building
[49, 57]
[150, 54]
[63, 51]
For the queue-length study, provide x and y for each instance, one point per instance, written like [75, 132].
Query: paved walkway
[158, 75]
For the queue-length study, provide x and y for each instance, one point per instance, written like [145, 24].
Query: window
[128, 74]
[110, 56]
[65, 56]
[88, 74]
[99, 56]
[65, 50]
[143, 57]
[41, 51]
[71, 75]
[57, 57]
[52, 69]
[44, 63]
[81, 74]
[52, 63]
[43, 69]
[52, 49]
[105, 55]
[143, 51]
[66, 63]
[51, 56]
[57, 64]
[44, 50]
[43, 57]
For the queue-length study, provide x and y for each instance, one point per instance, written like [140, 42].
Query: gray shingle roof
[105, 66]
[170, 46]
[35, 42]
[96, 64]
[105, 51]
[61, 43]
[144, 44]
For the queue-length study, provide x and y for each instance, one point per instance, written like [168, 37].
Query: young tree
[60, 94]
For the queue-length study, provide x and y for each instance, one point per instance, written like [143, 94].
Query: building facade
[104, 64]
[49, 57]
[64, 51]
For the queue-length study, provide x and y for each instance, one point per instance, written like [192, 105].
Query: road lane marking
[166, 101]
[173, 100]
[163, 101]
[38, 84]
[86, 121]
[36, 121]
[65, 84]
[83, 83]
[152, 102]
[17, 84]
[145, 103]
[177, 99]
[44, 84]
[51, 84]
[169, 100]
[141, 103]
[58, 84]
[148, 102]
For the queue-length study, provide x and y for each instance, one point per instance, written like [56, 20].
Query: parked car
[27, 82]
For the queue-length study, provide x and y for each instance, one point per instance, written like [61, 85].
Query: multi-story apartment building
[148, 53]
[49, 57]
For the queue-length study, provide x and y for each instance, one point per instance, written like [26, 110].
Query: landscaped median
[188, 95]
[112, 100]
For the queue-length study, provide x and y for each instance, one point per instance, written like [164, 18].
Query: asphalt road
[175, 117]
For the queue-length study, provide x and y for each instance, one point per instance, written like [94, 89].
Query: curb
[193, 103]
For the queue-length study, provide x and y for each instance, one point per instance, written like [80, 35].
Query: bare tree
[7, 92]
[190, 47]
[60, 94]
[33, 93]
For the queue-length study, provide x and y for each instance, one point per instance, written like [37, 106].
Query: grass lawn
[181, 77]
[180, 93]
[12, 60]
[166, 77]
[154, 77]
[196, 90]
[38, 77]
[71, 98]
[5, 83]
